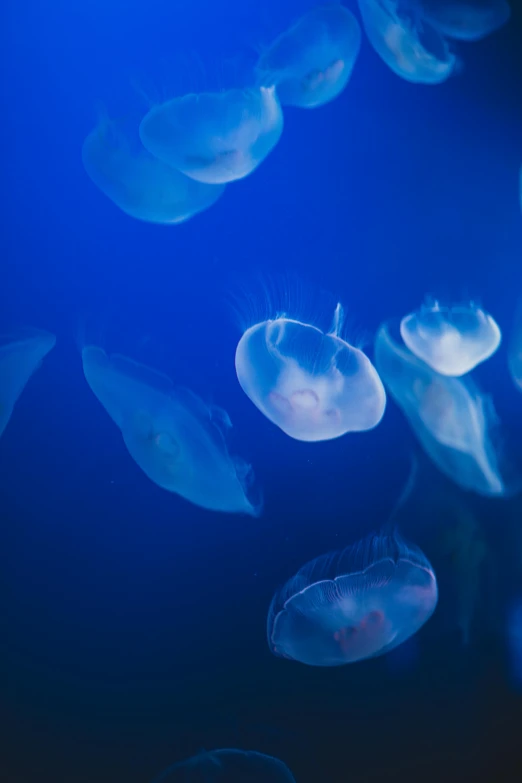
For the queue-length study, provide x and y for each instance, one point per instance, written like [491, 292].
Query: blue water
[133, 630]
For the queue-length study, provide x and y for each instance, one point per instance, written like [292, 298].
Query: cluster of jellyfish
[177, 161]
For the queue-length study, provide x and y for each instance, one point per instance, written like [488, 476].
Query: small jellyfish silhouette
[314, 386]
[411, 47]
[354, 604]
[177, 440]
[466, 20]
[228, 766]
[215, 137]
[311, 63]
[451, 340]
[139, 184]
[453, 421]
[20, 355]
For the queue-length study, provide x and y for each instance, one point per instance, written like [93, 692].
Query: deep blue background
[133, 624]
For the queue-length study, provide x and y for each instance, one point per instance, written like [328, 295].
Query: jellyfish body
[214, 138]
[451, 340]
[311, 63]
[228, 766]
[20, 355]
[466, 20]
[355, 604]
[411, 47]
[177, 440]
[139, 184]
[314, 386]
[515, 349]
[453, 421]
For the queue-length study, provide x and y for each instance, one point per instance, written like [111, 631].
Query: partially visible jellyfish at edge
[466, 20]
[20, 355]
[311, 62]
[142, 186]
[354, 604]
[178, 441]
[515, 349]
[228, 765]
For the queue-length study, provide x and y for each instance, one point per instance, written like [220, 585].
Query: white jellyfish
[20, 355]
[138, 183]
[311, 63]
[466, 20]
[215, 137]
[452, 340]
[177, 440]
[408, 45]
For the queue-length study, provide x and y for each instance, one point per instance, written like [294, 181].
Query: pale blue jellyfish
[453, 421]
[314, 386]
[466, 20]
[20, 355]
[228, 766]
[177, 440]
[354, 604]
[452, 340]
[215, 137]
[311, 63]
[515, 350]
[139, 184]
[411, 47]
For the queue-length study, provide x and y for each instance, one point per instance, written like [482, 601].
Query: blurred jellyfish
[314, 386]
[20, 355]
[410, 46]
[515, 349]
[466, 20]
[177, 440]
[215, 137]
[139, 184]
[354, 604]
[228, 766]
[451, 340]
[453, 421]
[311, 63]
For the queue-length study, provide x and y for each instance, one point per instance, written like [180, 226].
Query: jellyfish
[311, 63]
[410, 46]
[215, 138]
[453, 421]
[466, 20]
[451, 340]
[20, 355]
[358, 603]
[515, 349]
[228, 766]
[139, 184]
[177, 441]
[314, 386]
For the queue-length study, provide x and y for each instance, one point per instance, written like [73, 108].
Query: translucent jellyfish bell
[177, 440]
[314, 386]
[228, 766]
[451, 340]
[466, 20]
[20, 355]
[515, 349]
[311, 63]
[139, 184]
[411, 47]
[355, 604]
[215, 137]
[453, 421]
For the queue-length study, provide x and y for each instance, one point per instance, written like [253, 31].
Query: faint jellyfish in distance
[311, 62]
[515, 349]
[228, 766]
[21, 353]
[466, 20]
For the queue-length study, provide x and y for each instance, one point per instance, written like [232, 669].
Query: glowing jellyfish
[411, 47]
[139, 184]
[354, 604]
[453, 421]
[215, 137]
[311, 63]
[452, 340]
[314, 386]
[228, 766]
[466, 20]
[177, 440]
[20, 355]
